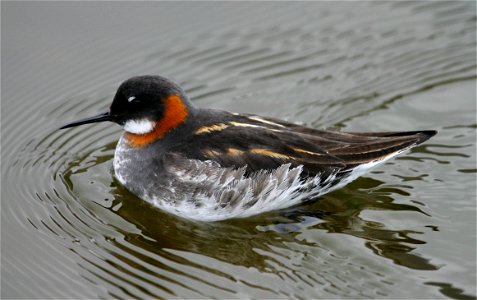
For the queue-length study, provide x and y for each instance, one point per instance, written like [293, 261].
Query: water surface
[406, 230]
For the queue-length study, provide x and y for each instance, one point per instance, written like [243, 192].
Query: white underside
[204, 191]
[229, 194]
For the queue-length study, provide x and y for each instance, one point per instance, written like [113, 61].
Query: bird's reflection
[237, 241]
[262, 243]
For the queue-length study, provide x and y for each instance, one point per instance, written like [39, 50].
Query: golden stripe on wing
[211, 128]
[270, 153]
[306, 151]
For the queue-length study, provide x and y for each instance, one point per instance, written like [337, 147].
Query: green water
[405, 230]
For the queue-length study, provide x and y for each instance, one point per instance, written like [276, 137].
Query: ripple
[70, 223]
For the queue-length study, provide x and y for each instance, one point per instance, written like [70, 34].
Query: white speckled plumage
[205, 191]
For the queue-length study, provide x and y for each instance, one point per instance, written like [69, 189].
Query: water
[406, 230]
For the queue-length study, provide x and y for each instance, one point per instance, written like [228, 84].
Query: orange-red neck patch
[175, 113]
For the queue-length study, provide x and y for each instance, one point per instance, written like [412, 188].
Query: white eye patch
[139, 126]
[131, 98]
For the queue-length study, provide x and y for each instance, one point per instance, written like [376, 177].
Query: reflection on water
[258, 243]
[406, 230]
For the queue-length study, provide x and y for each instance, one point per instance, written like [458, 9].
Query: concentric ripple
[70, 230]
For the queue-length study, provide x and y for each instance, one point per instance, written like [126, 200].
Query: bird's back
[257, 143]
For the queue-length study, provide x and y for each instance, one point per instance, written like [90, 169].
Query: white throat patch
[142, 126]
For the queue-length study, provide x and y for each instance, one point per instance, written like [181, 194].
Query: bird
[210, 165]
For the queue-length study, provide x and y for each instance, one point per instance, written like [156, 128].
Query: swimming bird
[211, 165]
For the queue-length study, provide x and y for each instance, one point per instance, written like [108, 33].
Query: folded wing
[265, 143]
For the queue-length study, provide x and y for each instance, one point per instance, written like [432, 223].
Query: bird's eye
[130, 99]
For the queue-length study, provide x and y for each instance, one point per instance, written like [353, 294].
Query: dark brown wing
[358, 147]
[258, 148]
[264, 143]
[363, 147]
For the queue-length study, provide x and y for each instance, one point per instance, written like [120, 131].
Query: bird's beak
[99, 118]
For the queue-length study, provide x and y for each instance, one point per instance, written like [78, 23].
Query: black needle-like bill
[99, 118]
